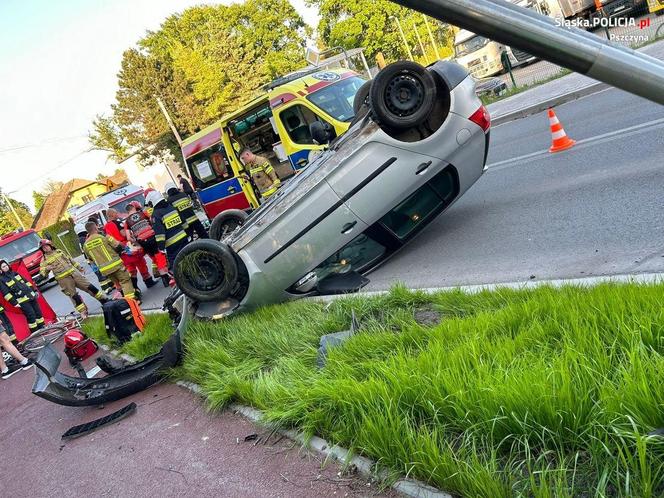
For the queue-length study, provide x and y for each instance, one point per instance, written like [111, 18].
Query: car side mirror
[319, 133]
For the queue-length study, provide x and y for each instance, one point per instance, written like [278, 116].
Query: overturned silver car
[419, 140]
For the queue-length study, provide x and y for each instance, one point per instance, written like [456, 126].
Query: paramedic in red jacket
[133, 256]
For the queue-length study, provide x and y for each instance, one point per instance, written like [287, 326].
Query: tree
[107, 137]
[201, 63]
[370, 24]
[8, 221]
[38, 198]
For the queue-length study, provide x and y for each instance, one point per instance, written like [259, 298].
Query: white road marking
[605, 137]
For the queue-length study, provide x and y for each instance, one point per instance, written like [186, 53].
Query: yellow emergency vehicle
[275, 125]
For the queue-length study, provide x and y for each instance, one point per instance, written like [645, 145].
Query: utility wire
[56, 167]
[43, 143]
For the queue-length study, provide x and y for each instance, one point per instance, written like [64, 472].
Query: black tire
[361, 97]
[402, 95]
[224, 223]
[205, 270]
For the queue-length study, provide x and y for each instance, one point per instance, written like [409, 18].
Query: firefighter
[182, 202]
[21, 294]
[168, 226]
[105, 284]
[69, 274]
[133, 256]
[262, 173]
[105, 253]
[139, 229]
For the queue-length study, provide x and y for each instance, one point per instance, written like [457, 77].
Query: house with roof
[76, 192]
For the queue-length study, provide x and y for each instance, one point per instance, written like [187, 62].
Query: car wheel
[226, 222]
[361, 97]
[205, 270]
[402, 95]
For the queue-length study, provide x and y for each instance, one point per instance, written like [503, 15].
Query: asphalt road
[596, 209]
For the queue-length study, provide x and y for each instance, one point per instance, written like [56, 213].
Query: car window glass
[337, 99]
[296, 119]
[210, 167]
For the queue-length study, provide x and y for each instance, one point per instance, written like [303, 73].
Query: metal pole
[366, 64]
[11, 206]
[433, 41]
[417, 33]
[538, 35]
[169, 121]
[403, 37]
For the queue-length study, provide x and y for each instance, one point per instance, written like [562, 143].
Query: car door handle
[423, 167]
[348, 227]
[231, 190]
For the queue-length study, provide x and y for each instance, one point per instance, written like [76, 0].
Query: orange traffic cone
[560, 139]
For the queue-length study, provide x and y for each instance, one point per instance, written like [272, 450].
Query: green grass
[543, 393]
[157, 329]
[515, 90]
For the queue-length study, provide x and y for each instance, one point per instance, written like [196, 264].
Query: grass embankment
[157, 329]
[535, 393]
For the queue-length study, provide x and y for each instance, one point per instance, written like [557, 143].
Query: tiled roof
[55, 204]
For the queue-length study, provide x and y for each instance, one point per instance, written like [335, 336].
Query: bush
[68, 242]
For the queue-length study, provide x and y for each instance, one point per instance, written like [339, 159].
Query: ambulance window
[337, 98]
[210, 167]
[296, 120]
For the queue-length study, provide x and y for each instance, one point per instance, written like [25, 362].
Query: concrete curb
[641, 278]
[365, 467]
[538, 107]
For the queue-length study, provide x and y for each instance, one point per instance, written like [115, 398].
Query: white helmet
[79, 228]
[154, 198]
[169, 186]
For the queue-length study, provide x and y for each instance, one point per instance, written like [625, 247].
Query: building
[74, 193]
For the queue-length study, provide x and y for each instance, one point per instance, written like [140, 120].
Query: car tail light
[481, 118]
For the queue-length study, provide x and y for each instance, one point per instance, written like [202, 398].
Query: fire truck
[24, 245]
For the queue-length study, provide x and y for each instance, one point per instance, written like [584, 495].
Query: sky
[58, 66]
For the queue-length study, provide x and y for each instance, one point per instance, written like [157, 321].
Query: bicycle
[51, 333]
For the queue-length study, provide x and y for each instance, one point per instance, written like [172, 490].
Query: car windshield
[337, 99]
[20, 248]
[471, 45]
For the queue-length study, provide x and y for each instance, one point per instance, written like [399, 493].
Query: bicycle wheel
[43, 337]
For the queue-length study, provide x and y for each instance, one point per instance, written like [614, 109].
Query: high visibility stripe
[64, 274]
[114, 264]
[160, 238]
[269, 170]
[40, 320]
[268, 193]
[11, 283]
[23, 299]
[81, 307]
[9, 296]
[175, 238]
[192, 219]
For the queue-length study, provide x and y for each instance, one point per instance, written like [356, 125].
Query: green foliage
[67, 243]
[38, 198]
[368, 24]
[8, 221]
[107, 137]
[545, 392]
[202, 63]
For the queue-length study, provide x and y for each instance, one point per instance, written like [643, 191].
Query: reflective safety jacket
[263, 175]
[15, 289]
[104, 252]
[139, 226]
[168, 225]
[59, 263]
[182, 202]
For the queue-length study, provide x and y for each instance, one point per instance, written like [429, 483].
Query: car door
[312, 230]
[379, 177]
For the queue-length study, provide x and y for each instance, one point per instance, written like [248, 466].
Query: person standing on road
[186, 188]
[168, 227]
[69, 275]
[105, 284]
[133, 257]
[182, 202]
[22, 363]
[105, 253]
[21, 294]
[262, 173]
[139, 229]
